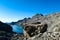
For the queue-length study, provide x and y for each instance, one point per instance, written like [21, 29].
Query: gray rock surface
[53, 21]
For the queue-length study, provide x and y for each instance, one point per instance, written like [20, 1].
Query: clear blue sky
[13, 10]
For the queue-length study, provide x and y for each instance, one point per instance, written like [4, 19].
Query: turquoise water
[17, 29]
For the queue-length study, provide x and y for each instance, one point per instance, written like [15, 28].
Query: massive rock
[52, 20]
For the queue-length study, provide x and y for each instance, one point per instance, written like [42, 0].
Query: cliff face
[53, 20]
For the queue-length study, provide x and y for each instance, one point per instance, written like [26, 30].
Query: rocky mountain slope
[52, 20]
[6, 33]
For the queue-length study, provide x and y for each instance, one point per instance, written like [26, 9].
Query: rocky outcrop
[36, 18]
[52, 20]
[10, 36]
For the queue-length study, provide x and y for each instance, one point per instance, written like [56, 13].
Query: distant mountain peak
[39, 14]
